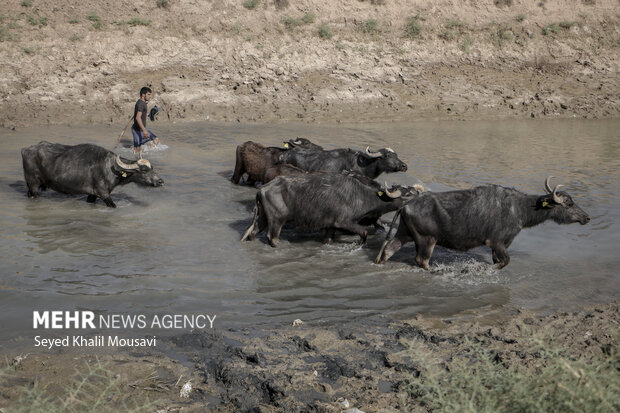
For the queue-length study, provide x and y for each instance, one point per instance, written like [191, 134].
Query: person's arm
[139, 120]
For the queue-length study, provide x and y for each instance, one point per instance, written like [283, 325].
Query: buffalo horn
[556, 198]
[127, 166]
[390, 150]
[395, 194]
[547, 187]
[373, 154]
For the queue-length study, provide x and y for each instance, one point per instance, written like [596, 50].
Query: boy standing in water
[141, 134]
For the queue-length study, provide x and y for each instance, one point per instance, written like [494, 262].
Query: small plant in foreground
[250, 4]
[550, 29]
[308, 18]
[137, 21]
[479, 381]
[26, 3]
[467, 44]
[413, 28]
[370, 26]
[325, 32]
[567, 25]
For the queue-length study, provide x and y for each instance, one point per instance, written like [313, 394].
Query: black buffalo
[486, 215]
[367, 163]
[317, 201]
[254, 159]
[82, 169]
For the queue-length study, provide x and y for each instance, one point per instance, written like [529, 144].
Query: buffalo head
[386, 158]
[563, 208]
[140, 172]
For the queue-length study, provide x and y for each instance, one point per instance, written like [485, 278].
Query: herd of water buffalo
[313, 189]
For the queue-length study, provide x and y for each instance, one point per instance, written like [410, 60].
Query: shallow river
[176, 249]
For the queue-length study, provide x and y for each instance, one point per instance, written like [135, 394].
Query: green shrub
[250, 4]
[75, 38]
[467, 44]
[567, 25]
[521, 17]
[325, 32]
[308, 18]
[370, 26]
[552, 28]
[292, 22]
[501, 36]
[502, 3]
[454, 24]
[413, 28]
[26, 3]
[478, 381]
[73, 21]
[137, 21]
[32, 20]
[95, 390]
[447, 35]
[94, 17]
[29, 50]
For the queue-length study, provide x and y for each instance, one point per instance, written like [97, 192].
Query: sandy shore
[84, 62]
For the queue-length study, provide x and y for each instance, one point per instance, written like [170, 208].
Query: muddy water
[176, 249]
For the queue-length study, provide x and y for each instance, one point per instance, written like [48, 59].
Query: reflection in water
[177, 249]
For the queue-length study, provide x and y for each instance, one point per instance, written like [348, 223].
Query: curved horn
[373, 154]
[144, 162]
[547, 187]
[126, 166]
[395, 194]
[390, 150]
[556, 198]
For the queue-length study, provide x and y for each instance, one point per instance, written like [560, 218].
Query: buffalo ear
[545, 202]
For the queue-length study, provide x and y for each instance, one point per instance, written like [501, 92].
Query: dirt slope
[84, 61]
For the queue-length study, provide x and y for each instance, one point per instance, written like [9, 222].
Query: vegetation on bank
[94, 390]
[546, 378]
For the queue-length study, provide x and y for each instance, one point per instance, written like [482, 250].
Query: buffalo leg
[424, 249]
[500, 256]
[91, 198]
[273, 234]
[356, 229]
[256, 227]
[239, 169]
[390, 247]
[33, 185]
[108, 201]
[329, 236]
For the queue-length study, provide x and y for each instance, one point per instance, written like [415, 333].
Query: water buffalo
[255, 159]
[370, 164]
[82, 169]
[317, 201]
[486, 215]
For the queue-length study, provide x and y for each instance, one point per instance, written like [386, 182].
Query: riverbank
[84, 62]
[397, 366]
